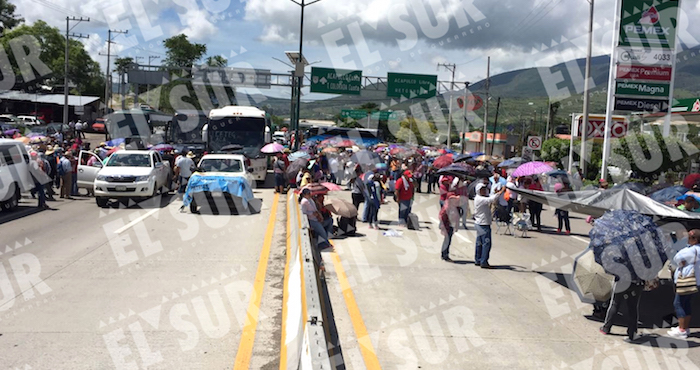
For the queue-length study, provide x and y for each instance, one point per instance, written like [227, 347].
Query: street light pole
[452, 68]
[108, 75]
[586, 92]
[299, 71]
[464, 123]
[486, 114]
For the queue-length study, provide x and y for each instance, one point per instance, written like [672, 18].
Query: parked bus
[139, 127]
[185, 131]
[239, 129]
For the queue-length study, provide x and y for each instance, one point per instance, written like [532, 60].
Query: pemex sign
[649, 23]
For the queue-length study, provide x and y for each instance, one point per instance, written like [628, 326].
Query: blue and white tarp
[236, 186]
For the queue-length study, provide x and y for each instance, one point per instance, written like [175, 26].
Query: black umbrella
[294, 168]
[459, 170]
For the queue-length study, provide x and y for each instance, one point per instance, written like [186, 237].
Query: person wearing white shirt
[184, 169]
[688, 262]
[482, 221]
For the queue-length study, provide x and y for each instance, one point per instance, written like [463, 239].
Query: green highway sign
[642, 88]
[411, 86]
[353, 113]
[335, 81]
[384, 115]
[649, 23]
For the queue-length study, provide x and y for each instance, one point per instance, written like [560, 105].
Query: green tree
[369, 107]
[122, 65]
[217, 61]
[8, 19]
[180, 52]
[83, 71]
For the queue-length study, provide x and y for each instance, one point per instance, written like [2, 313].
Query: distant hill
[517, 90]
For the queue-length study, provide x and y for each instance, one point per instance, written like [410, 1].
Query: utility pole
[452, 68]
[486, 114]
[148, 87]
[464, 123]
[65, 69]
[586, 92]
[495, 125]
[108, 73]
[549, 120]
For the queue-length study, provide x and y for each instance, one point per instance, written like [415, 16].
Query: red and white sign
[474, 102]
[637, 73]
[596, 126]
[534, 142]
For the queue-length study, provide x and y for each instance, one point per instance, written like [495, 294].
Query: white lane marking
[455, 233]
[580, 239]
[135, 221]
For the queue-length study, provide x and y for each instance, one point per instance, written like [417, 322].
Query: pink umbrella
[272, 148]
[532, 168]
[443, 161]
[331, 186]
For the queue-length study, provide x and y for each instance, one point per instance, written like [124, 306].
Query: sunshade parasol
[591, 281]
[629, 245]
[297, 155]
[316, 188]
[342, 208]
[23, 139]
[558, 173]
[668, 194]
[691, 180]
[272, 148]
[345, 143]
[531, 168]
[514, 162]
[443, 161]
[330, 149]
[488, 158]
[458, 169]
[294, 168]
[331, 186]
[163, 147]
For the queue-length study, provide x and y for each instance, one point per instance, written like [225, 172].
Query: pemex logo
[650, 16]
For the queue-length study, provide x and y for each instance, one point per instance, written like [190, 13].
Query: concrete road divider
[304, 327]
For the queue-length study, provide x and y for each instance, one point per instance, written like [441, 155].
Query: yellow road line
[301, 264]
[285, 292]
[245, 347]
[368, 353]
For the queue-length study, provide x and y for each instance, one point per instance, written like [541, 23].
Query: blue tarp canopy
[236, 186]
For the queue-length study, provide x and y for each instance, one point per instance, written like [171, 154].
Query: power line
[515, 29]
[542, 17]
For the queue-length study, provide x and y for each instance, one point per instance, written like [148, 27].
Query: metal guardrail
[306, 348]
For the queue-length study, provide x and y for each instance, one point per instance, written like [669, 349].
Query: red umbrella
[442, 151]
[346, 143]
[443, 161]
[690, 180]
[396, 151]
[113, 150]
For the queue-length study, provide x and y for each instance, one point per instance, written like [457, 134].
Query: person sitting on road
[690, 204]
[308, 207]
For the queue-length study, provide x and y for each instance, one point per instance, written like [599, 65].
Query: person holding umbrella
[308, 207]
[536, 207]
[482, 220]
[685, 278]
[280, 168]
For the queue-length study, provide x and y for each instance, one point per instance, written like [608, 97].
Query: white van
[30, 120]
[14, 173]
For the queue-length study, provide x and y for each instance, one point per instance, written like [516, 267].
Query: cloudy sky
[376, 36]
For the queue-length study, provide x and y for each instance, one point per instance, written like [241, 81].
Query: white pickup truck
[124, 174]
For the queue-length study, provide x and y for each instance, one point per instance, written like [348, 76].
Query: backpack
[60, 169]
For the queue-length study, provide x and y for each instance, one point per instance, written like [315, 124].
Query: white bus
[239, 129]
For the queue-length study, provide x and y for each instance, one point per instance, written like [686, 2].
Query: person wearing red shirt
[404, 189]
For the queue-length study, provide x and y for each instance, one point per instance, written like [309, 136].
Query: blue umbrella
[669, 194]
[629, 245]
[297, 155]
[556, 173]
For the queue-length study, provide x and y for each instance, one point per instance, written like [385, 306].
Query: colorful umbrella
[38, 139]
[272, 148]
[396, 151]
[114, 150]
[532, 168]
[345, 143]
[382, 145]
[23, 139]
[163, 147]
[316, 188]
[691, 180]
[331, 186]
[331, 149]
[443, 161]
[629, 245]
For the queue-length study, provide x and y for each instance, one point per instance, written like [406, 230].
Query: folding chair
[521, 223]
[503, 220]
